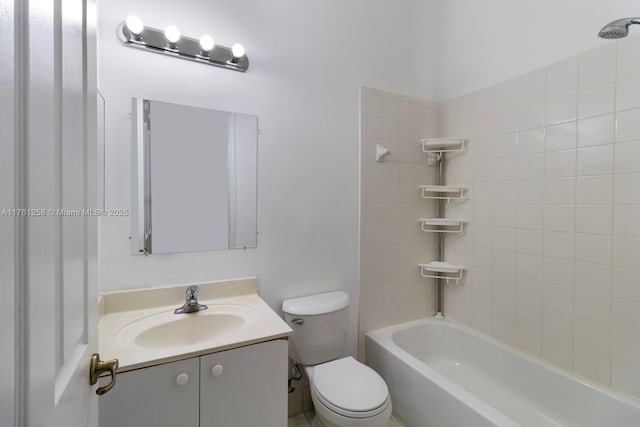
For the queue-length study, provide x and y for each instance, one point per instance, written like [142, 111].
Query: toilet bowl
[345, 392]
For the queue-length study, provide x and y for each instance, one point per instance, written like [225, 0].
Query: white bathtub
[442, 374]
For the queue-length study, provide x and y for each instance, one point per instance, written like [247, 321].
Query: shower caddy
[441, 270]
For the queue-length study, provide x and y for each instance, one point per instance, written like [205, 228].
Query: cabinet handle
[182, 379]
[216, 371]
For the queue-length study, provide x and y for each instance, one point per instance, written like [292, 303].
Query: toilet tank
[319, 324]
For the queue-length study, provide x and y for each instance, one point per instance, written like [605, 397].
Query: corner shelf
[443, 145]
[441, 270]
[441, 225]
[444, 272]
[443, 192]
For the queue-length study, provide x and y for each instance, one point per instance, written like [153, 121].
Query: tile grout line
[542, 282]
[613, 181]
[575, 214]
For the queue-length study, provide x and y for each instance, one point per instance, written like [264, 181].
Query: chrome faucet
[191, 304]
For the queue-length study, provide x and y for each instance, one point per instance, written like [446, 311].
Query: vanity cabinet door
[245, 387]
[160, 396]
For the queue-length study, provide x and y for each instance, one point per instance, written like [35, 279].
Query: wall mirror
[194, 179]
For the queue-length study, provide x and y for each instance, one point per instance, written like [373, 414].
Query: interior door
[55, 182]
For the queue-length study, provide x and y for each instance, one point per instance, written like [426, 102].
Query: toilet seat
[351, 414]
[349, 388]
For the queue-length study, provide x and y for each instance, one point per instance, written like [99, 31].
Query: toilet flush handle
[298, 322]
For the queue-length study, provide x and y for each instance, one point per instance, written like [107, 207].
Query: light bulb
[237, 50]
[172, 34]
[134, 25]
[207, 43]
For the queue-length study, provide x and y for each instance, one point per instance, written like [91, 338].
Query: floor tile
[303, 420]
[298, 421]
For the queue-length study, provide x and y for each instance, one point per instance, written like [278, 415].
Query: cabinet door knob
[216, 371]
[182, 379]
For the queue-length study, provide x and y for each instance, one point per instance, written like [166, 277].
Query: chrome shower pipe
[440, 249]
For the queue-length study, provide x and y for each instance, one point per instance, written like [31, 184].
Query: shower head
[617, 29]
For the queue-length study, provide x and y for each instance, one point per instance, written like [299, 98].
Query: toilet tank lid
[316, 304]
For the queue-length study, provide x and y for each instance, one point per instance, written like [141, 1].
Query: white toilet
[345, 392]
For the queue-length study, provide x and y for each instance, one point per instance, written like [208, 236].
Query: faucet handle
[192, 292]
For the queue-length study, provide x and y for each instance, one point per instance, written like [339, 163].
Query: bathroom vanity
[224, 366]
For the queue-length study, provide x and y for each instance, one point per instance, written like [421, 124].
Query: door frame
[11, 260]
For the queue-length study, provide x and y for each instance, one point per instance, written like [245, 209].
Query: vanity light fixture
[134, 33]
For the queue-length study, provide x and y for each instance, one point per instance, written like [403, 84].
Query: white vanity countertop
[236, 315]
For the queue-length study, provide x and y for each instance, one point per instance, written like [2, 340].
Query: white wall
[485, 42]
[308, 61]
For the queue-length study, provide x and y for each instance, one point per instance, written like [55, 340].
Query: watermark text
[63, 212]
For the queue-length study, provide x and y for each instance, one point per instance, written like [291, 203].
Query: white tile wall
[554, 213]
[392, 245]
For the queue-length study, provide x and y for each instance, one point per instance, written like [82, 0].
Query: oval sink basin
[169, 330]
[188, 330]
